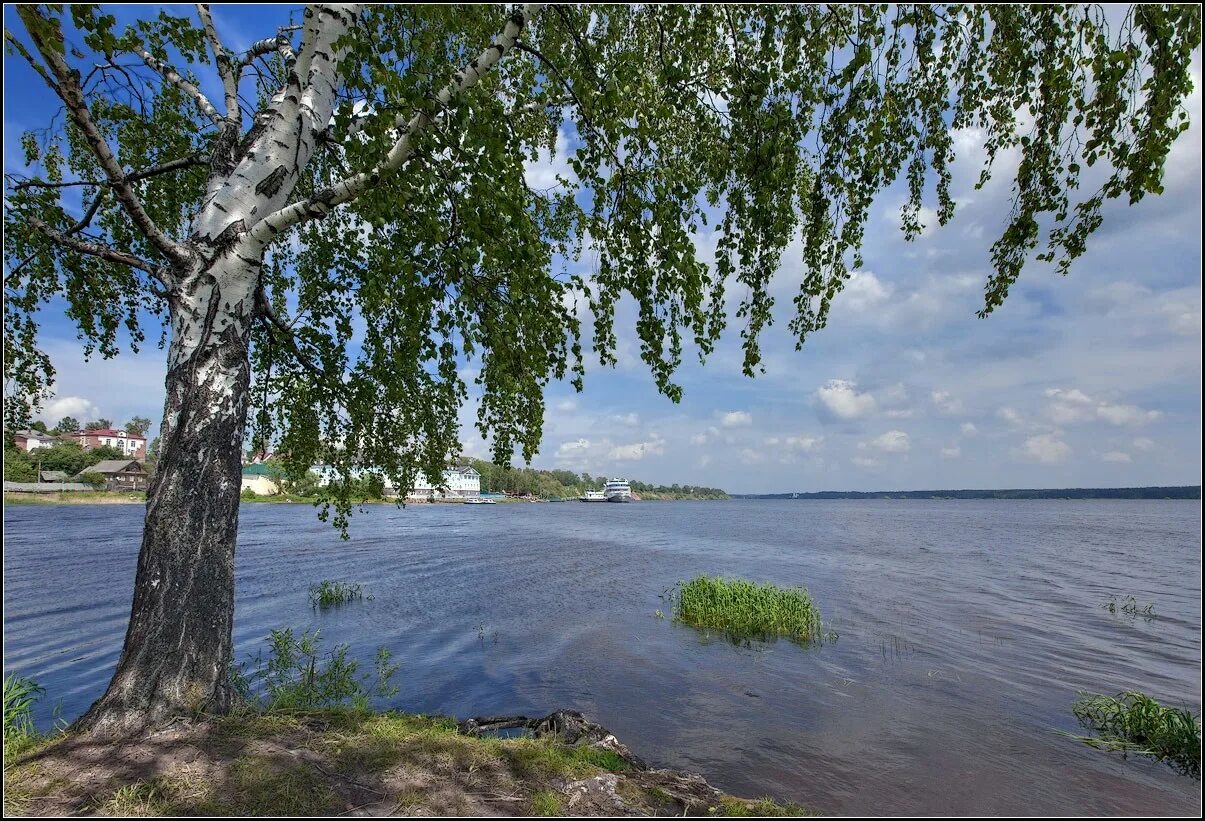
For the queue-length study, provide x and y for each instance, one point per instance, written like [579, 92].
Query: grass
[545, 803]
[1134, 723]
[1129, 606]
[75, 497]
[746, 609]
[329, 593]
[20, 694]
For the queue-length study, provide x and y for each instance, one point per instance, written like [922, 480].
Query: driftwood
[567, 726]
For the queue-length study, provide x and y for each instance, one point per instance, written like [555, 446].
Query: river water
[966, 629]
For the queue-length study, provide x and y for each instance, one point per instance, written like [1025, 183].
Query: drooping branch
[173, 77]
[226, 70]
[95, 249]
[353, 186]
[168, 167]
[72, 95]
[283, 331]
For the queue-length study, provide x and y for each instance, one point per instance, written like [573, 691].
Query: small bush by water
[297, 675]
[1135, 723]
[332, 594]
[743, 608]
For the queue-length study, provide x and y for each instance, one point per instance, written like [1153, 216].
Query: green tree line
[552, 484]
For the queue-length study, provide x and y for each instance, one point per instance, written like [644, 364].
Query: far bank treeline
[1173, 492]
[554, 484]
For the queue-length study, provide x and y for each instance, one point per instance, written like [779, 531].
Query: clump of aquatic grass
[1129, 606]
[745, 609]
[20, 694]
[332, 594]
[297, 675]
[1134, 723]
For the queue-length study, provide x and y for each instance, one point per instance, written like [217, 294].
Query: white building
[28, 440]
[461, 481]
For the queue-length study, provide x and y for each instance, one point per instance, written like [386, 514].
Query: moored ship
[618, 490]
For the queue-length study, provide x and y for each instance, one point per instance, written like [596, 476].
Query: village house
[131, 444]
[120, 474]
[28, 440]
[262, 480]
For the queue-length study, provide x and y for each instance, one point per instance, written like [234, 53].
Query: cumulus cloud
[842, 400]
[968, 429]
[1143, 443]
[1010, 415]
[1045, 448]
[629, 419]
[865, 461]
[945, 403]
[736, 419]
[1116, 456]
[635, 451]
[1068, 407]
[951, 452]
[893, 441]
[75, 406]
[864, 292]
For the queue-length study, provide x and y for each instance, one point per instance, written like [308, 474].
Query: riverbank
[339, 762]
[79, 497]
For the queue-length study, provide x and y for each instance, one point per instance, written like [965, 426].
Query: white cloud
[1045, 448]
[1126, 415]
[1142, 443]
[736, 419]
[841, 399]
[893, 441]
[865, 462]
[75, 406]
[634, 452]
[945, 403]
[968, 429]
[804, 443]
[1071, 406]
[1116, 456]
[864, 292]
[1010, 415]
[951, 452]
[629, 419]
[566, 405]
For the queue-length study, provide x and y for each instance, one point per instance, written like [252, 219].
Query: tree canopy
[406, 239]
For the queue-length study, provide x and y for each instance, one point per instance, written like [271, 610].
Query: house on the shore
[132, 445]
[463, 482]
[120, 474]
[53, 476]
[262, 480]
[28, 440]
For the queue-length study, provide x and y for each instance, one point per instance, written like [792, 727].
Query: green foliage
[1133, 723]
[747, 610]
[138, 425]
[97, 480]
[556, 484]
[99, 424]
[545, 803]
[329, 593]
[18, 467]
[767, 124]
[298, 676]
[68, 424]
[20, 694]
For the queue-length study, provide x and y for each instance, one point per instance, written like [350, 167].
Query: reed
[20, 694]
[746, 609]
[332, 594]
[1134, 723]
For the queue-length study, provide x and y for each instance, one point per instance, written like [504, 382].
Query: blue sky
[1089, 380]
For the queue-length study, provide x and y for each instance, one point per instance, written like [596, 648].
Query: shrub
[298, 676]
[1135, 723]
[95, 479]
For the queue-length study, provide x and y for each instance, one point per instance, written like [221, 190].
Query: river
[965, 628]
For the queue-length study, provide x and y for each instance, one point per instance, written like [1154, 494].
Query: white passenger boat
[618, 490]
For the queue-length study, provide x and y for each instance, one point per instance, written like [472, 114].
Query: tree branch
[225, 70]
[347, 189]
[153, 171]
[269, 315]
[72, 95]
[173, 77]
[95, 249]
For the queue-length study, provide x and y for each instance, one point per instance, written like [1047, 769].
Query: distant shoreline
[1175, 492]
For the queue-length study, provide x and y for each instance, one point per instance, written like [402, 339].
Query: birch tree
[322, 242]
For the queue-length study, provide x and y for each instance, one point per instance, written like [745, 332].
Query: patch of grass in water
[745, 609]
[329, 593]
[1129, 606]
[20, 694]
[1134, 723]
[762, 808]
